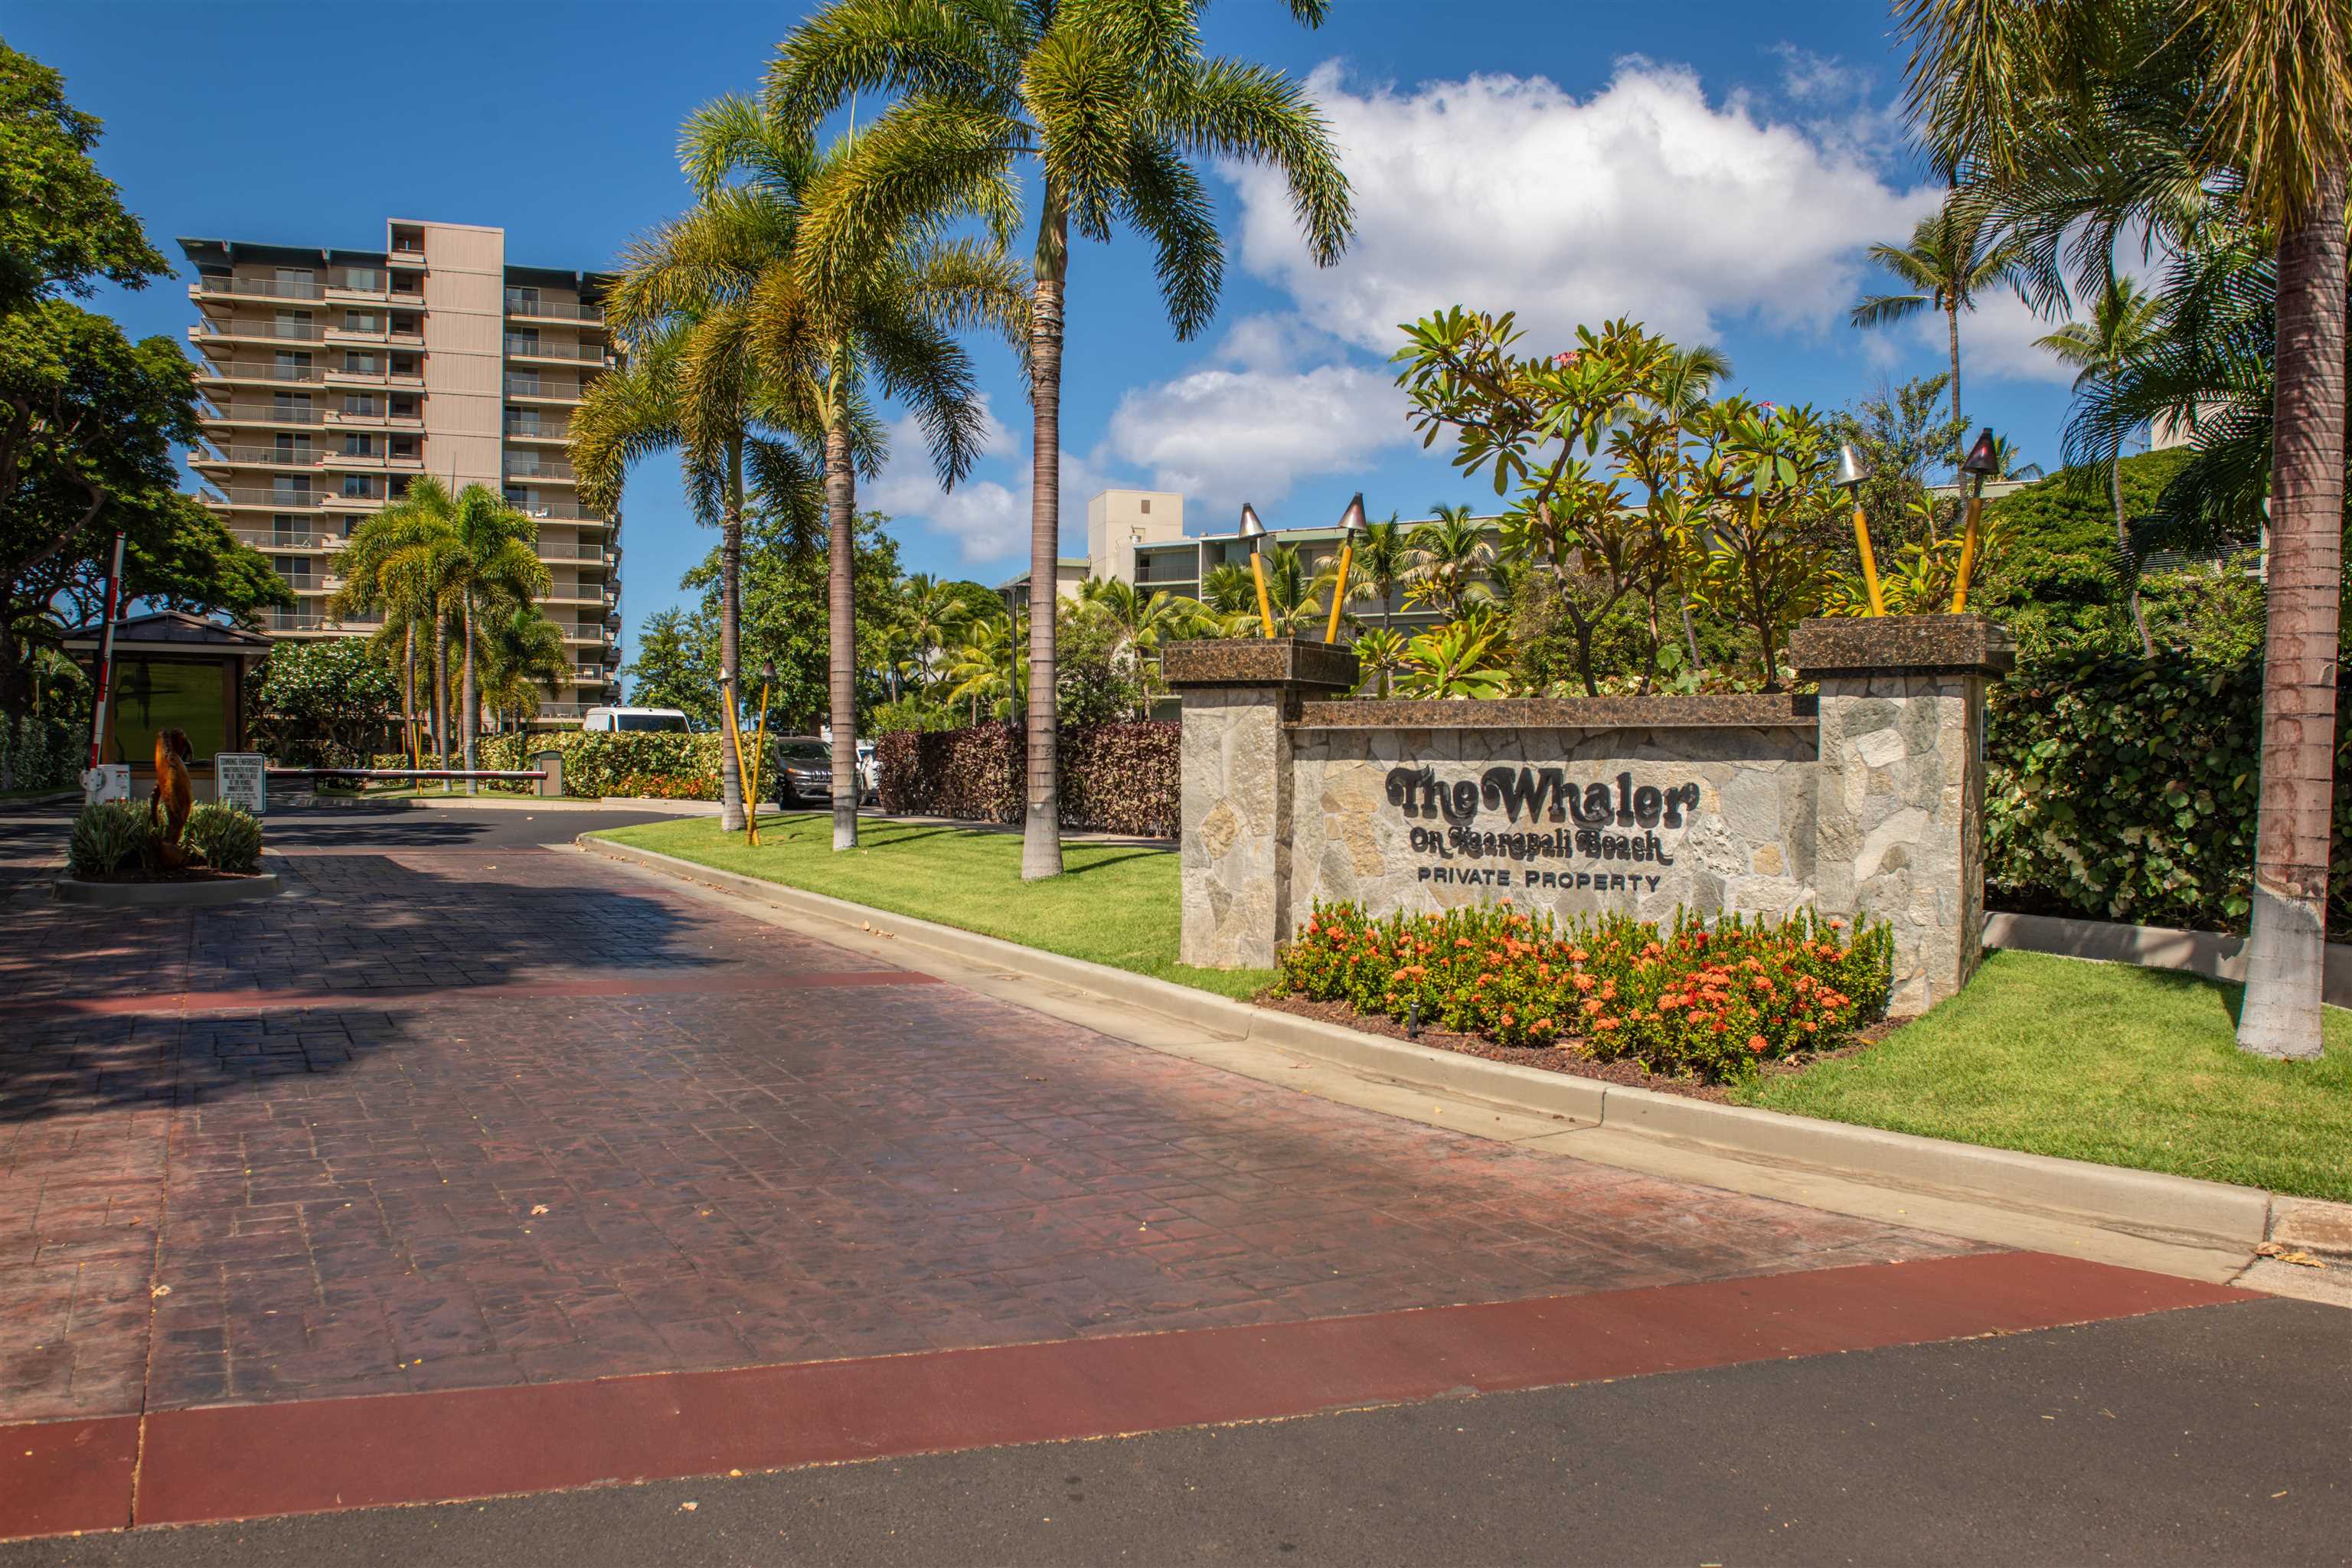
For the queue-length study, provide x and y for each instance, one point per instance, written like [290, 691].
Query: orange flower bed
[1707, 1000]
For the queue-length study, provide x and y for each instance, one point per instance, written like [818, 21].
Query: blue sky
[1714, 170]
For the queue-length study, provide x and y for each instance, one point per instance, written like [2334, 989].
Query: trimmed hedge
[2126, 790]
[1116, 778]
[41, 754]
[660, 763]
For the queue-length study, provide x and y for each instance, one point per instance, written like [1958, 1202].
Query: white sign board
[107, 781]
[242, 778]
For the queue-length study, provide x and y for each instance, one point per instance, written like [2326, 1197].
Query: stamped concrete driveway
[449, 1117]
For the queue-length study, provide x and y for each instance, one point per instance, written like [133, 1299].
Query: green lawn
[1118, 905]
[2099, 1062]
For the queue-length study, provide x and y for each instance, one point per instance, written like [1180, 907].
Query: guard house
[172, 671]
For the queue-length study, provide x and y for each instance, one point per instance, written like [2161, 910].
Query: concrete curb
[2145, 1202]
[164, 894]
[2211, 953]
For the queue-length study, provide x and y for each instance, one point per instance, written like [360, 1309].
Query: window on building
[297, 277]
[361, 403]
[358, 445]
[292, 324]
[363, 321]
[155, 695]
[523, 301]
[1145, 507]
[363, 277]
[356, 486]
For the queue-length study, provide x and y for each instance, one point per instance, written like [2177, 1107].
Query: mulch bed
[1563, 1058]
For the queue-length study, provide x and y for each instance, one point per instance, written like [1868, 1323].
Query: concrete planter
[165, 895]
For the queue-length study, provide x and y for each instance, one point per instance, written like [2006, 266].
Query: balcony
[348, 283]
[538, 348]
[217, 288]
[535, 430]
[298, 621]
[209, 332]
[532, 466]
[532, 389]
[257, 500]
[270, 539]
[336, 333]
[558, 511]
[523, 308]
[259, 372]
[251, 413]
[260, 457]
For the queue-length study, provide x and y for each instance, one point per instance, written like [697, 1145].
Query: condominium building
[332, 378]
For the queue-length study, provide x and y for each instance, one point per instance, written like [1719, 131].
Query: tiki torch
[1849, 475]
[1254, 531]
[1352, 523]
[1979, 463]
[759, 757]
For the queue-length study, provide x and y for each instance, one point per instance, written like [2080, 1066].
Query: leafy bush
[1698, 999]
[1116, 778]
[226, 835]
[662, 764]
[40, 754]
[108, 837]
[2126, 790]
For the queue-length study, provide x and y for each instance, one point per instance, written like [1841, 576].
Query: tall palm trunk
[841, 612]
[2286, 950]
[1952, 327]
[2123, 550]
[1041, 836]
[469, 717]
[731, 639]
[440, 688]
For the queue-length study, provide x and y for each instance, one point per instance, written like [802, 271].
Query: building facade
[332, 378]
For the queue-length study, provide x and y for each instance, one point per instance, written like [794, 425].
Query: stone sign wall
[1867, 799]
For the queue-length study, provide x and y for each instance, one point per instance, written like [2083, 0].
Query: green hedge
[660, 763]
[1116, 778]
[2126, 790]
[41, 754]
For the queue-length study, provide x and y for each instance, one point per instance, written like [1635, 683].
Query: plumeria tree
[1771, 508]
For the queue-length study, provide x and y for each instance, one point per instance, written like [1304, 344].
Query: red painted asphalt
[182, 1467]
[142, 1004]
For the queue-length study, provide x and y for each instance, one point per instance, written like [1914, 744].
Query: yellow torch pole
[735, 739]
[758, 755]
[1265, 605]
[1339, 593]
[1968, 551]
[1869, 563]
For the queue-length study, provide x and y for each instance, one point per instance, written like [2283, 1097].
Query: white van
[613, 719]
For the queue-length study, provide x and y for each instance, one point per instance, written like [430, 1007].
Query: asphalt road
[2212, 1435]
[32, 831]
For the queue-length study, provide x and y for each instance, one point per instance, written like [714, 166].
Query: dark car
[802, 766]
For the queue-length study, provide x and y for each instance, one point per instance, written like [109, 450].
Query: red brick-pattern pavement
[481, 1176]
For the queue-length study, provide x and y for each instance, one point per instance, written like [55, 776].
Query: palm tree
[521, 651]
[397, 563]
[931, 612]
[1451, 558]
[1384, 554]
[2124, 322]
[989, 667]
[491, 566]
[2081, 118]
[1142, 622]
[1948, 263]
[1114, 102]
[1379, 654]
[875, 310]
[1230, 590]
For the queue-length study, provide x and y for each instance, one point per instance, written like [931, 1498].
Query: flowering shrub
[1708, 1001]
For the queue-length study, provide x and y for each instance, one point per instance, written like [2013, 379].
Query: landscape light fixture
[1851, 472]
[1982, 459]
[1254, 531]
[1352, 523]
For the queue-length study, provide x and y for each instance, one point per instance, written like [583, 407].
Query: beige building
[331, 378]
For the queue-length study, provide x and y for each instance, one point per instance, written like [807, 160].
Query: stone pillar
[1235, 845]
[1900, 799]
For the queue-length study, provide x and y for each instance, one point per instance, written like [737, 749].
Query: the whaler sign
[1617, 826]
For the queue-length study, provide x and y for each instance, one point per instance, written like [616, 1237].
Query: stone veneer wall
[1866, 800]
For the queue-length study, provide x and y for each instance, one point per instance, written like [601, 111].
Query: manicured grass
[1117, 904]
[2103, 1062]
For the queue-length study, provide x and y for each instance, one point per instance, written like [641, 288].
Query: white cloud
[1224, 434]
[1997, 343]
[1507, 192]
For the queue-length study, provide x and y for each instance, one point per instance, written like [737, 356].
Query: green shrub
[1116, 778]
[597, 763]
[40, 754]
[108, 837]
[1708, 1001]
[228, 837]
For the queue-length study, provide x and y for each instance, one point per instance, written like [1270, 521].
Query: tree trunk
[841, 611]
[2122, 549]
[1952, 326]
[2285, 948]
[408, 696]
[730, 640]
[1041, 837]
[440, 690]
[469, 718]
